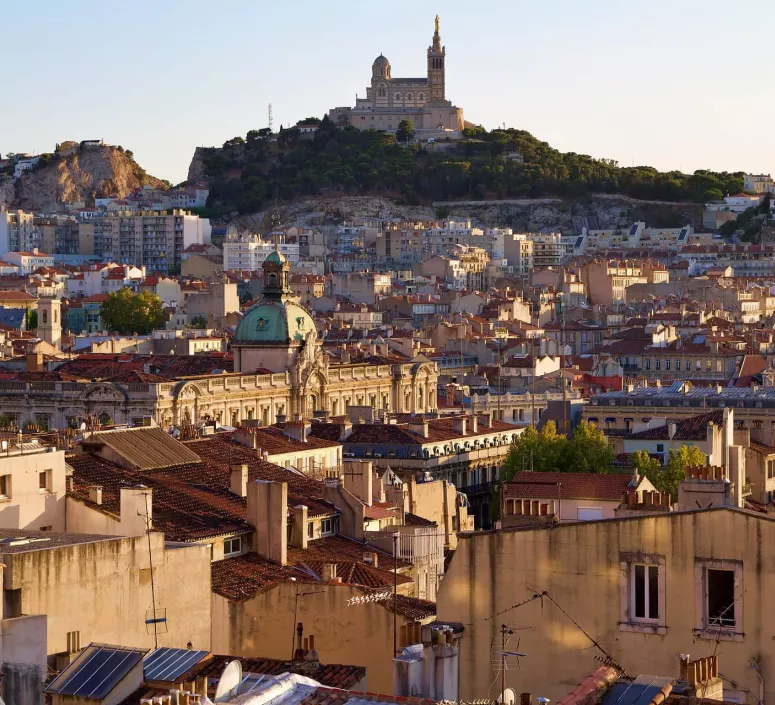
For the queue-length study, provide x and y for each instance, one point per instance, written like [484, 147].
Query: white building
[28, 262]
[549, 249]
[23, 165]
[249, 252]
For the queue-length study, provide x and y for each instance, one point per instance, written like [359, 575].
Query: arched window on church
[421, 97]
[398, 96]
[408, 96]
[382, 92]
[272, 280]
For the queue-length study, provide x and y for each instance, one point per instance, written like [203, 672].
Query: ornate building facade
[390, 100]
[280, 370]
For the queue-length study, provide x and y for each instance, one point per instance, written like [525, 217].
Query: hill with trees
[247, 173]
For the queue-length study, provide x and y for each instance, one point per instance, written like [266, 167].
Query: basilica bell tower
[436, 58]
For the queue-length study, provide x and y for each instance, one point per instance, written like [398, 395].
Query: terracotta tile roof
[242, 578]
[329, 675]
[416, 520]
[694, 428]
[219, 454]
[274, 441]
[594, 685]
[16, 296]
[568, 485]
[411, 607]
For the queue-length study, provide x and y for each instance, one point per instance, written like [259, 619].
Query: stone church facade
[390, 100]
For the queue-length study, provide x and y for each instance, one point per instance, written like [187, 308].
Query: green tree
[588, 450]
[712, 194]
[405, 131]
[667, 479]
[199, 322]
[30, 319]
[125, 312]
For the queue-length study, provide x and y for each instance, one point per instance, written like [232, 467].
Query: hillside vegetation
[247, 173]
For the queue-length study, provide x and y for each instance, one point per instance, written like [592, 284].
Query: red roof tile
[568, 485]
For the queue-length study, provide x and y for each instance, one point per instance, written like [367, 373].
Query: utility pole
[533, 394]
[395, 593]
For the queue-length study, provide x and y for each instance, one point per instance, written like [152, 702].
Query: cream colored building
[644, 588]
[32, 487]
[390, 100]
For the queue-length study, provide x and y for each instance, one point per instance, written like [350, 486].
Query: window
[688, 365]
[647, 364]
[642, 590]
[44, 480]
[328, 527]
[645, 592]
[667, 365]
[770, 469]
[310, 530]
[5, 487]
[719, 606]
[232, 547]
[660, 447]
[659, 364]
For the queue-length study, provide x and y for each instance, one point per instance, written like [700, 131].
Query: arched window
[272, 280]
[382, 92]
[421, 96]
[408, 96]
[398, 96]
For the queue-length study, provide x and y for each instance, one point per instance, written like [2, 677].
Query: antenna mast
[270, 118]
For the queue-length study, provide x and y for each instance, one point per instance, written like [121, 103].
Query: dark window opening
[721, 598]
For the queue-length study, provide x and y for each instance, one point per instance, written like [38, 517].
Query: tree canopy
[405, 131]
[125, 312]
[587, 450]
[249, 172]
[666, 479]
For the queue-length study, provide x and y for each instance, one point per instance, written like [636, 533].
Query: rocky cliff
[601, 211]
[79, 174]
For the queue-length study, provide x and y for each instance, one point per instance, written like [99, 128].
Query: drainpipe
[757, 668]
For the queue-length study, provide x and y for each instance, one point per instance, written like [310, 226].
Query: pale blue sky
[677, 84]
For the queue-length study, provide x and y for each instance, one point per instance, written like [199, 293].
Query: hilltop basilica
[422, 101]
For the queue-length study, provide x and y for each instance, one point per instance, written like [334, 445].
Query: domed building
[278, 335]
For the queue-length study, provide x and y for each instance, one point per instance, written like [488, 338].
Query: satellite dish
[229, 682]
[508, 697]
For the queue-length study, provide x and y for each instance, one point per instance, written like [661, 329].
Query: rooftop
[568, 485]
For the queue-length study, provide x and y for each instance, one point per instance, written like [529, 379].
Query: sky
[675, 84]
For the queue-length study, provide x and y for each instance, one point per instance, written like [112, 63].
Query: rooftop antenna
[270, 118]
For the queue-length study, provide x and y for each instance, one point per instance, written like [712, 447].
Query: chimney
[485, 418]
[328, 574]
[268, 513]
[347, 428]
[298, 430]
[459, 424]
[420, 427]
[281, 418]
[474, 424]
[671, 430]
[35, 362]
[299, 535]
[95, 494]
[371, 558]
[239, 480]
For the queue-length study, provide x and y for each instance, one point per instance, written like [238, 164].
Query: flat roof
[25, 540]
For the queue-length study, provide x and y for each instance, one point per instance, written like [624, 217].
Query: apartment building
[152, 239]
[28, 262]
[549, 249]
[248, 252]
[607, 281]
[758, 183]
[652, 584]
[17, 231]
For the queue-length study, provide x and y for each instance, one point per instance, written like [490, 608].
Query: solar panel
[633, 230]
[682, 235]
[579, 240]
[168, 664]
[96, 672]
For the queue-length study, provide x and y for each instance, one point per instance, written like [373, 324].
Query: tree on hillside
[125, 312]
[667, 479]
[405, 131]
[199, 322]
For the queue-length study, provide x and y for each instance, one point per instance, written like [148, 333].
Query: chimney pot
[239, 480]
[95, 494]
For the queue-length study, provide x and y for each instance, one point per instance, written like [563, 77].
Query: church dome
[380, 68]
[276, 257]
[281, 322]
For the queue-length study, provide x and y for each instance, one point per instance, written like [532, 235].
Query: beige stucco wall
[29, 507]
[103, 590]
[579, 565]
[360, 635]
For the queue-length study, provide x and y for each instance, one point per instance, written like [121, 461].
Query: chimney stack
[268, 513]
[95, 494]
[239, 480]
[299, 535]
[328, 574]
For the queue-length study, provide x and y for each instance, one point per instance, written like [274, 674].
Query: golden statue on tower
[437, 24]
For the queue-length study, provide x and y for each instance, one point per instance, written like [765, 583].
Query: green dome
[274, 322]
[276, 257]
